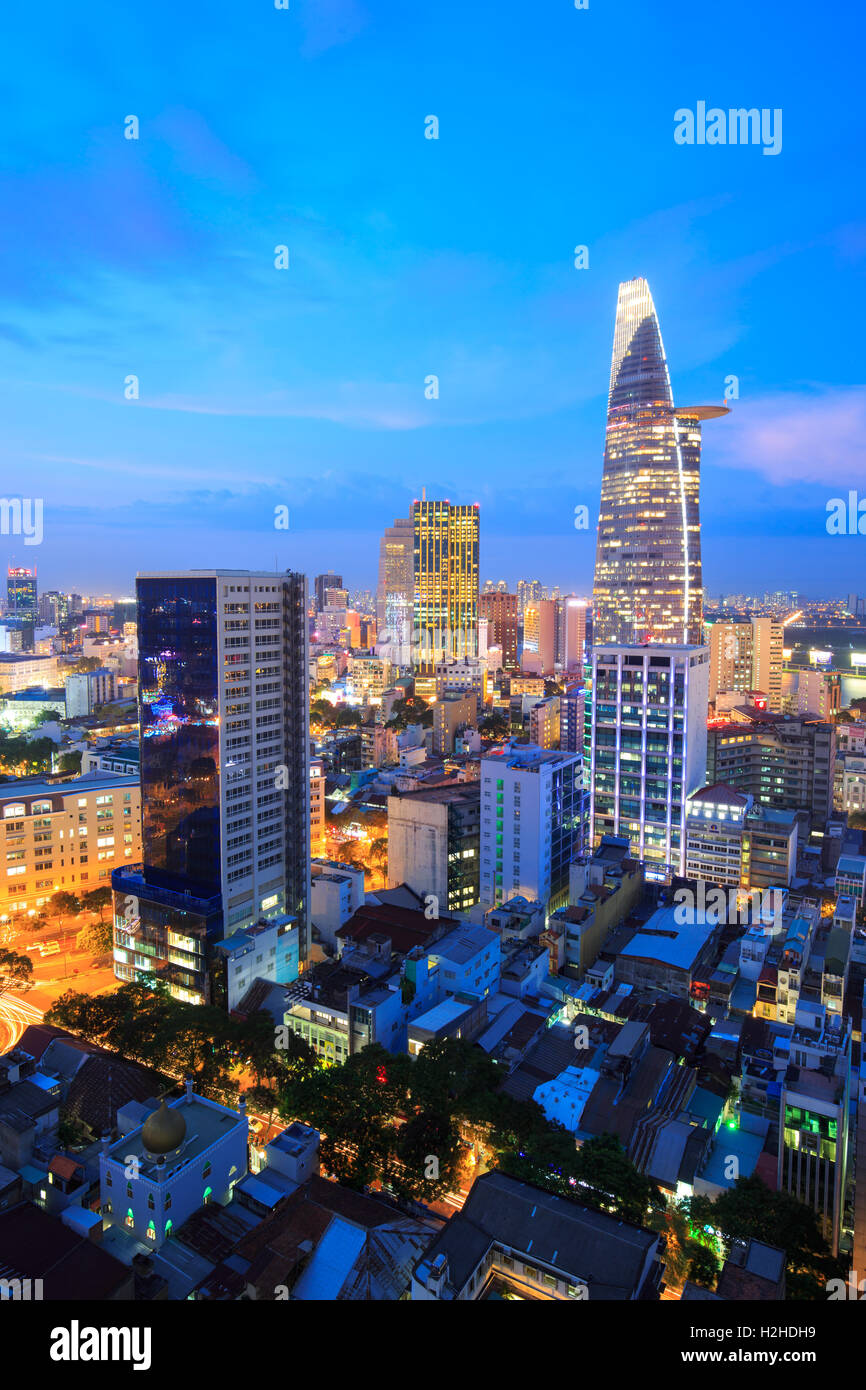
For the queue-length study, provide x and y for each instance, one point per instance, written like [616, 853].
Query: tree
[63, 904]
[16, 970]
[495, 725]
[598, 1174]
[703, 1267]
[750, 1209]
[97, 900]
[47, 716]
[96, 937]
[379, 857]
[410, 710]
[70, 762]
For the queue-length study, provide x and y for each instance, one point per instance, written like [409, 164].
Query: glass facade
[445, 563]
[645, 755]
[179, 713]
[648, 557]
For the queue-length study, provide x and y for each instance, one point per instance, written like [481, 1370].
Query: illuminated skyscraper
[648, 747]
[445, 619]
[500, 610]
[21, 598]
[648, 558]
[222, 670]
[395, 591]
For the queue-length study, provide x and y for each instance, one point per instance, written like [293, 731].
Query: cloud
[813, 435]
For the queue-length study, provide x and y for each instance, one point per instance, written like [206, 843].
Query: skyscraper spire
[648, 556]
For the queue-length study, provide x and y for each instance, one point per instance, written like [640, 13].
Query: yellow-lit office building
[445, 582]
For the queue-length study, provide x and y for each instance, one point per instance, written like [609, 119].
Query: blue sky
[411, 257]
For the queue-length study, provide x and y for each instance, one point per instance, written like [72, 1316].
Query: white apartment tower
[648, 747]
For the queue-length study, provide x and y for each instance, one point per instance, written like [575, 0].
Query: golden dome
[164, 1130]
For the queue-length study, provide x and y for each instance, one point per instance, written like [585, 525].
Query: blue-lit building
[648, 747]
[223, 712]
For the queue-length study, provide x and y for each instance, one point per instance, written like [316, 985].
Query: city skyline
[409, 258]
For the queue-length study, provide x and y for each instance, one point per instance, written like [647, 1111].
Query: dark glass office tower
[224, 770]
[648, 583]
[21, 595]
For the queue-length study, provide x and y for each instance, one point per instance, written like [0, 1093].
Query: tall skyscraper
[500, 610]
[648, 583]
[21, 596]
[648, 747]
[225, 793]
[570, 633]
[748, 656]
[395, 590]
[445, 619]
[322, 583]
[768, 643]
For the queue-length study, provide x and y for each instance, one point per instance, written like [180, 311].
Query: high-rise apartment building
[768, 641]
[782, 761]
[500, 610]
[395, 590]
[531, 823]
[65, 837]
[433, 844]
[445, 619]
[572, 710]
[570, 633]
[747, 656]
[648, 747]
[648, 558]
[539, 632]
[730, 658]
[223, 712]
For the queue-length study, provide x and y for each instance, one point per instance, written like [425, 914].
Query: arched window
[130, 1219]
[150, 1202]
[208, 1193]
[206, 1171]
[167, 1229]
[108, 1178]
[151, 1231]
[167, 1201]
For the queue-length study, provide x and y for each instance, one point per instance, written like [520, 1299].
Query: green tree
[16, 970]
[703, 1267]
[750, 1209]
[378, 857]
[69, 762]
[495, 725]
[63, 904]
[97, 900]
[96, 937]
[410, 710]
[47, 716]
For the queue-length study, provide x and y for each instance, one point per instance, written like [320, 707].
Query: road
[15, 1015]
[53, 975]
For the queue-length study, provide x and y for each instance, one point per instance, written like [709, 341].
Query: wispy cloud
[812, 435]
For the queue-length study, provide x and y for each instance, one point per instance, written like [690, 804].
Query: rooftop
[587, 1246]
[206, 1122]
